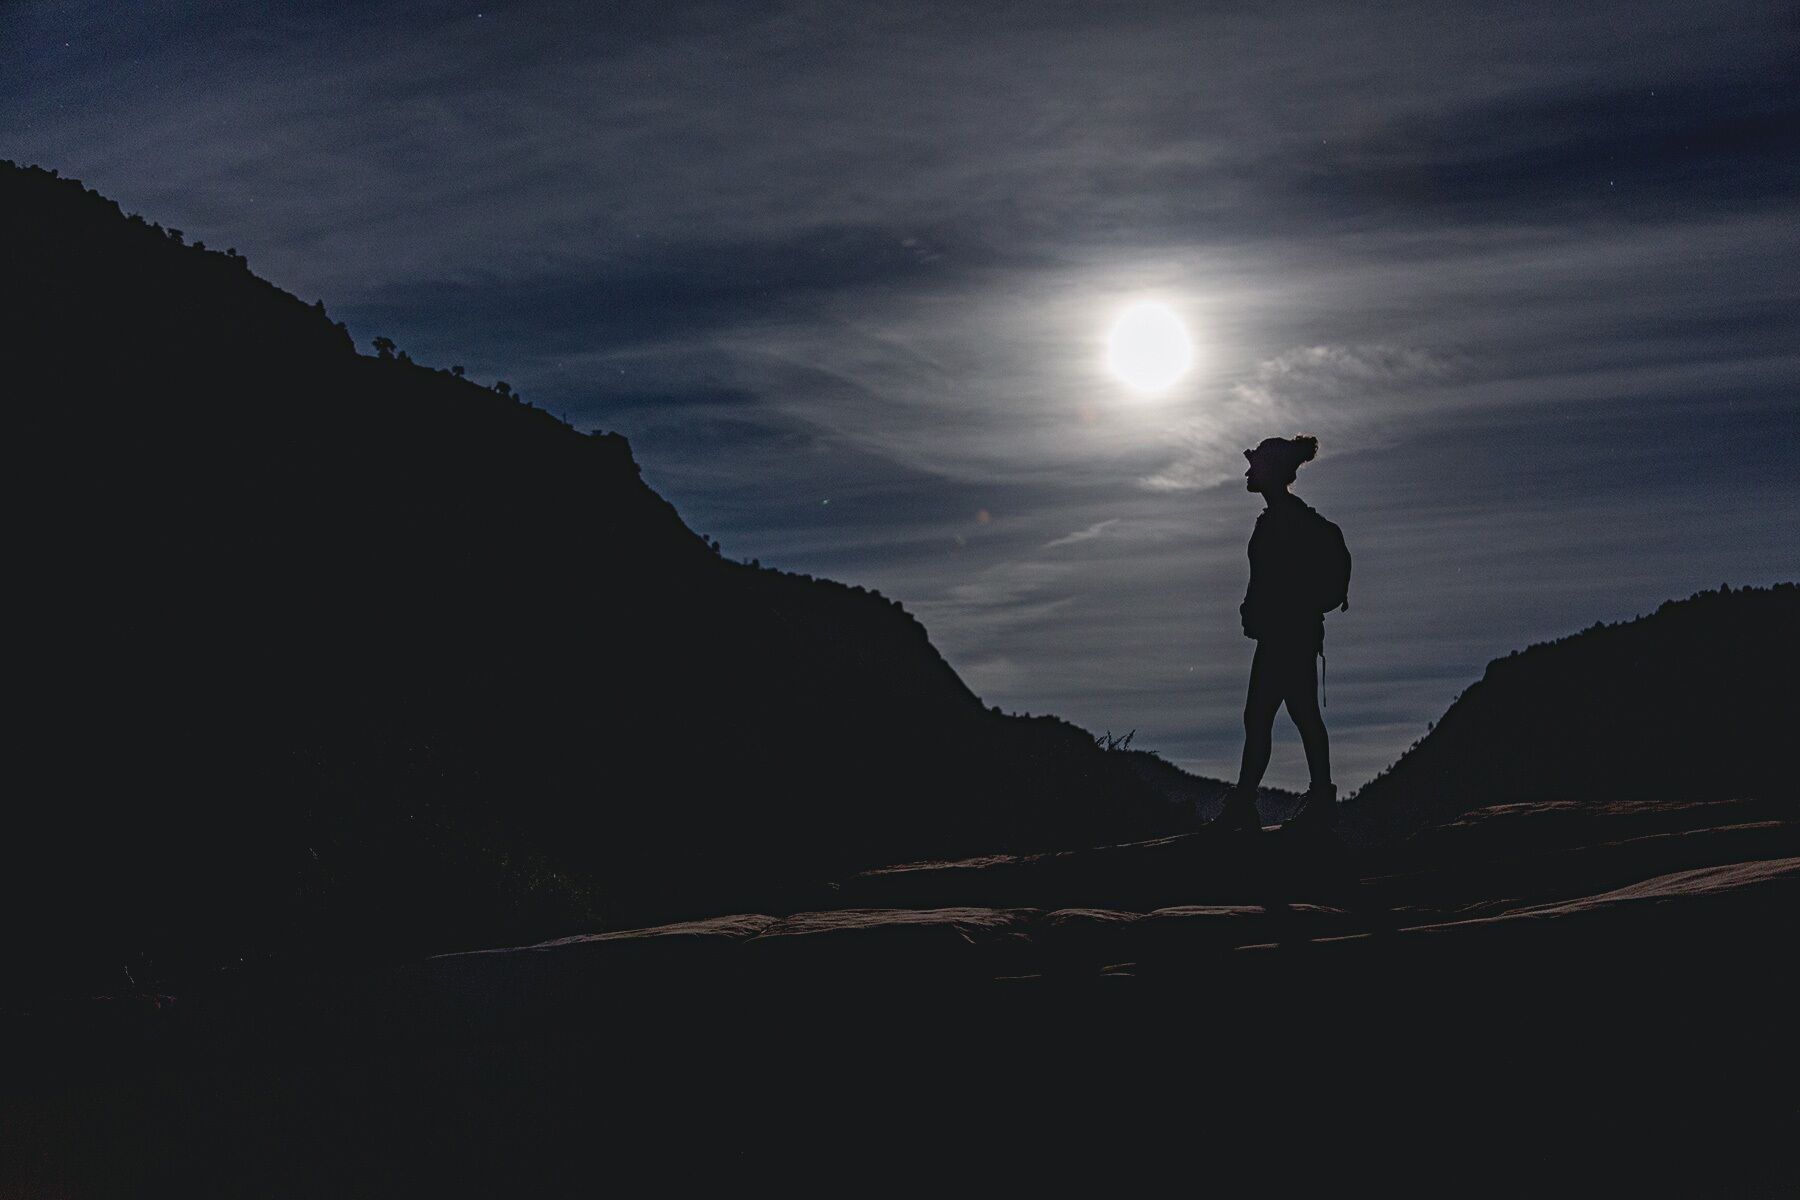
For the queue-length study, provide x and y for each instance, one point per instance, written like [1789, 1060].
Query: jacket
[1279, 603]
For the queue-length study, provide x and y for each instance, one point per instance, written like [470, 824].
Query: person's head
[1275, 462]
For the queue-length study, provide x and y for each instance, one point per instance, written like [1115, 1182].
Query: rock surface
[1061, 918]
[1535, 983]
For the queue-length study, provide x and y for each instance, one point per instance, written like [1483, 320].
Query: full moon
[1148, 348]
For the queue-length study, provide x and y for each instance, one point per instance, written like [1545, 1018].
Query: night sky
[844, 274]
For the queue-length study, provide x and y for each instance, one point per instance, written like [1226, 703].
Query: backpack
[1328, 568]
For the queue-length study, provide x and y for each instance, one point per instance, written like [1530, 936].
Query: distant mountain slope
[1203, 796]
[1697, 701]
[331, 649]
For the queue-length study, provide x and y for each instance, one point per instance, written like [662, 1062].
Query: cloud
[1334, 391]
[1082, 535]
[1309, 375]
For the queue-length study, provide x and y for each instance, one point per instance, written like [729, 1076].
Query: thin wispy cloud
[1081, 535]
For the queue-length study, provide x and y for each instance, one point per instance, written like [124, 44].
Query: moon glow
[1149, 348]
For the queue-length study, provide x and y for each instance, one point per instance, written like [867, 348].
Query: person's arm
[1249, 612]
[1344, 549]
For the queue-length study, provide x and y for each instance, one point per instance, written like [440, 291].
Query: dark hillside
[1206, 797]
[322, 648]
[1694, 702]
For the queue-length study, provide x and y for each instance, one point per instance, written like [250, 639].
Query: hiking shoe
[1318, 811]
[1239, 814]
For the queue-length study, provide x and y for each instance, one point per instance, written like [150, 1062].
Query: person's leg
[1260, 705]
[1302, 697]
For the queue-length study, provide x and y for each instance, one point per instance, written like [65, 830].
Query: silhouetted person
[1299, 570]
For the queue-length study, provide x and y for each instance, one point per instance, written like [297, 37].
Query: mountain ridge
[355, 642]
[1689, 701]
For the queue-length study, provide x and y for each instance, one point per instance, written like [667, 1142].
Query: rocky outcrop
[1678, 880]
